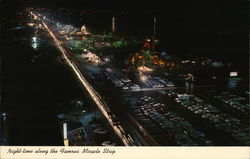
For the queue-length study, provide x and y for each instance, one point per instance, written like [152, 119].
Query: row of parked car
[180, 129]
[119, 80]
[156, 81]
[236, 102]
[165, 82]
[220, 120]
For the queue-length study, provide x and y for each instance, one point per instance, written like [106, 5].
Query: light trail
[94, 94]
[153, 89]
[169, 88]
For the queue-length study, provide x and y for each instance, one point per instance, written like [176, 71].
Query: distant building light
[163, 53]
[4, 114]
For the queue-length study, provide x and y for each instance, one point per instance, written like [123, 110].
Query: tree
[147, 56]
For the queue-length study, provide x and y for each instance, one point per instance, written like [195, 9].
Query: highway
[92, 92]
[100, 102]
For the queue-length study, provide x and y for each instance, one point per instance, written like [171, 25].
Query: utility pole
[154, 27]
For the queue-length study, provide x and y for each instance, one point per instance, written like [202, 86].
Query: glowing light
[233, 74]
[143, 78]
[84, 30]
[144, 69]
[4, 114]
[185, 61]
[92, 57]
[65, 132]
[34, 39]
[34, 45]
[106, 59]
[30, 24]
[95, 95]
[161, 63]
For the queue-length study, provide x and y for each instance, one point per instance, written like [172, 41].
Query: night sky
[220, 15]
[212, 26]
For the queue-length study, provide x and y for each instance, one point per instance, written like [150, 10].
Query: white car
[108, 143]
[159, 85]
[170, 84]
[119, 84]
[125, 80]
[125, 87]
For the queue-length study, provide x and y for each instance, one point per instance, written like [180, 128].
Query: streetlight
[143, 78]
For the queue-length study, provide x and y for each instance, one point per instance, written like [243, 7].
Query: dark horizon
[219, 27]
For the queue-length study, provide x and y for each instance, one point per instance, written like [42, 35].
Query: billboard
[233, 74]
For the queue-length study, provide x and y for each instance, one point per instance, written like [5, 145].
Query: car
[125, 87]
[134, 87]
[116, 121]
[160, 85]
[126, 80]
[170, 84]
[166, 73]
[108, 143]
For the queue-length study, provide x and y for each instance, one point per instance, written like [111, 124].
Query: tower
[113, 25]
[154, 26]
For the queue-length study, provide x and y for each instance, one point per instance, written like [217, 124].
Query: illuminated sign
[233, 74]
[64, 130]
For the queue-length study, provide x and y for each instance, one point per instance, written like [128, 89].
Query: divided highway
[100, 102]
